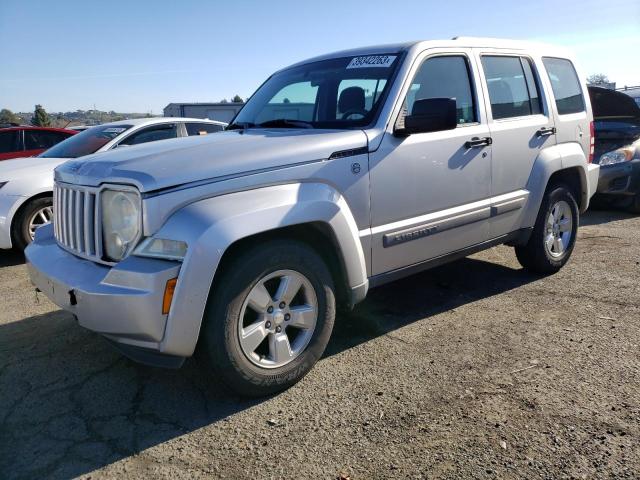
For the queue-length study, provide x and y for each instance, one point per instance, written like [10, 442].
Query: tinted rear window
[8, 141]
[42, 139]
[202, 128]
[565, 85]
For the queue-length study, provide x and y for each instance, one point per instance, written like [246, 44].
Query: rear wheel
[269, 318]
[34, 214]
[554, 234]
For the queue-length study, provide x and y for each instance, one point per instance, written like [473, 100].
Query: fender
[9, 206]
[549, 161]
[211, 226]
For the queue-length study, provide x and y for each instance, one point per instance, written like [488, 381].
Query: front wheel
[34, 214]
[554, 234]
[269, 318]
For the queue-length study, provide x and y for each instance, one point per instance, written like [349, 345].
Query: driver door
[430, 192]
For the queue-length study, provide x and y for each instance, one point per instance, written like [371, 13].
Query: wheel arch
[564, 163]
[19, 207]
[216, 228]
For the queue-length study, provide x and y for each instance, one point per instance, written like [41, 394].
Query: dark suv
[617, 148]
[26, 141]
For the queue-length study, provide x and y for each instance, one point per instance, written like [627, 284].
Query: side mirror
[429, 115]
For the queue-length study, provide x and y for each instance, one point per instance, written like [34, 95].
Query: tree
[224, 100]
[40, 117]
[7, 116]
[598, 79]
[237, 99]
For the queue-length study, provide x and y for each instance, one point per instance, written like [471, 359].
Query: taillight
[592, 141]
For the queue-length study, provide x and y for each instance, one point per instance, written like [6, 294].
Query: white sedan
[26, 184]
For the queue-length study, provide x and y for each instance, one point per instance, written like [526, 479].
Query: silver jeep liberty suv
[341, 173]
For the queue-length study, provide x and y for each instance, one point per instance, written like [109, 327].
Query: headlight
[121, 222]
[617, 156]
[162, 248]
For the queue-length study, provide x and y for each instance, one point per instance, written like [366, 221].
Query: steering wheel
[354, 111]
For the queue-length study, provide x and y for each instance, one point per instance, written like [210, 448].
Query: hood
[27, 166]
[168, 163]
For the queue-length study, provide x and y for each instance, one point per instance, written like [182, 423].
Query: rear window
[9, 141]
[42, 139]
[565, 85]
[87, 142]
[202, 128]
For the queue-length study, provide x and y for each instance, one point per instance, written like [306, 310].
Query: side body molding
[210, 226]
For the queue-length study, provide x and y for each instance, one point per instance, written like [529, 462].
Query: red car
[26, 141]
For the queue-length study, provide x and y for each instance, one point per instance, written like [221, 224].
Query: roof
[33, 127]
[152, 121]
[208, 104]
[468, 42]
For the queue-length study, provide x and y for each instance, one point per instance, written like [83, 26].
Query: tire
[260, 371]
[33, 210]
[635, 204]
[540, 255]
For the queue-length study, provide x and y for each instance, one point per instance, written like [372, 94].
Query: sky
[138, 56]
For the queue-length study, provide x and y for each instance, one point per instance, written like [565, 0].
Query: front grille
[75, 222]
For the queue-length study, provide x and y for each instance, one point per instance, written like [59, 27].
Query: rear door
[572, 111]
[521, 127]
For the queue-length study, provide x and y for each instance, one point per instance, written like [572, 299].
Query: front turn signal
[168, 295]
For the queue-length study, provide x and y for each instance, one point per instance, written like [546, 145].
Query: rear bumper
[620, 179]
[123, 302]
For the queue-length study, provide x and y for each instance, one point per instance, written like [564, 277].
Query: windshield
[85, 143]
[337, 93]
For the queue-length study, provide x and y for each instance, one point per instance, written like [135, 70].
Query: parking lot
[472, 370]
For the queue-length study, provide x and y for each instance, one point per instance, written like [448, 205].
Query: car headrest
[351, 99]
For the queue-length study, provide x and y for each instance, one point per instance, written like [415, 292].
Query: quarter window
[444, 77]
[565, 85]
[513, 90]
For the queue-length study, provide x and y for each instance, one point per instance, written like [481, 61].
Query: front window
[86, 143]
[337, 93]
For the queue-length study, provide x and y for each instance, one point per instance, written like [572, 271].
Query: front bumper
[123, 302]
[620, 179]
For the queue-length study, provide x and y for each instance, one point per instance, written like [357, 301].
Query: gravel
[472, 370]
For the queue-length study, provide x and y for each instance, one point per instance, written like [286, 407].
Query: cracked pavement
[472, 370]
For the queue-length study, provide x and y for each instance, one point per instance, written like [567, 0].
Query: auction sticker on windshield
[376, 61]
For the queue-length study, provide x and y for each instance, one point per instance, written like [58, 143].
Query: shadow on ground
[70, 404]
[602, 215]
[9, 258]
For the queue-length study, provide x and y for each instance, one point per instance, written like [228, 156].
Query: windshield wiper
[240, 126]
[286, 123]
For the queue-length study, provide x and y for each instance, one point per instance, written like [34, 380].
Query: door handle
[476, 142]
[546, 131]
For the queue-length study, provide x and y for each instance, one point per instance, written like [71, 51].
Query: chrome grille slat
[78, 218]
[76, 222]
